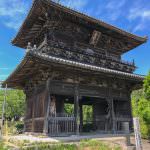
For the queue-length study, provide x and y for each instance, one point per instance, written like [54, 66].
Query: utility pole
[3, 108]
[137, 132]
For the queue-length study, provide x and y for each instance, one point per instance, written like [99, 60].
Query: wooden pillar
[81, 117]
[26, 112]
[33, 108]
[59, 104]
[110, 101]
[130, 108]
[47, 107]
[113, 117]
[94, 115]
[76, 109]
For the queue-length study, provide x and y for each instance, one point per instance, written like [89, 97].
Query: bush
[140, 108]
[20, 127]
[145, 130]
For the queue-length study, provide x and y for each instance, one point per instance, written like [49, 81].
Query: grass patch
[96, 145]
[3, 146]
[82, 145]
[44, 146]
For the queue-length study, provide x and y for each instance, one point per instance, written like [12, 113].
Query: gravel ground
[111, 139]
[121, 141]
[145, 144]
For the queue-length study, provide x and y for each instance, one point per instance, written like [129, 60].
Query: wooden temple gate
[72, 56]
[47, 112]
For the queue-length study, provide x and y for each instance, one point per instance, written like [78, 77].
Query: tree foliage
[141, 106]
[147, 86]
[15, 103]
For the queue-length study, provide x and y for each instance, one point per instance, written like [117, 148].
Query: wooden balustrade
[61, 123]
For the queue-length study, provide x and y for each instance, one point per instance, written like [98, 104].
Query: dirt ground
[120, 140]
[145, 144]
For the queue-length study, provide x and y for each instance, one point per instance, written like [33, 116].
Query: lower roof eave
[44, 57]
[86, 66]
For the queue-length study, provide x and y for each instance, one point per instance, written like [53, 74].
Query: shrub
[20, 127]
[2, 146]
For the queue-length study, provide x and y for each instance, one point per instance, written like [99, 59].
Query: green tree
[147, 86]
[15, 103]
[141, 108]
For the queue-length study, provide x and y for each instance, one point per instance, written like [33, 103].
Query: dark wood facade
[74, 59]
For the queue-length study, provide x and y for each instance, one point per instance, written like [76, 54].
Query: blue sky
[130, 15]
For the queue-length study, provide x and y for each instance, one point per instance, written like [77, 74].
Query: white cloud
[115, 4]
[111, 10]
[11, 7]
[139, 13]
[12, 12]
[139, 27]
[75, 4]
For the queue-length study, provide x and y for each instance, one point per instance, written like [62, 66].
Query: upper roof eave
[38, 3]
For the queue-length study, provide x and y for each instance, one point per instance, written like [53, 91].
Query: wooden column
[26, 112]
[81, 117]
[94, 115]
[59, 104]
[33, 107]
[76, 109]
[47, 107]
[113, 117]
[110, 101]
[130, 108]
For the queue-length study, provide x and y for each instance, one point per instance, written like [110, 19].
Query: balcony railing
[97, 59]
[61, 123]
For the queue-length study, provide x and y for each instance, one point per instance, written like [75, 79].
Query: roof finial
[28, 47]
[34, 47]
